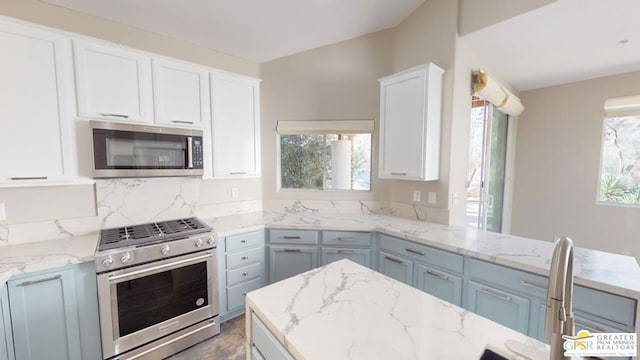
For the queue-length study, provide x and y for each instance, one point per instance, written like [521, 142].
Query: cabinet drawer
[267, 344]
[244, 273]
[236, 294]
[440, 258]
[242, 258]
[346, 238]
[255, 354]
[602, 304]
[505, 277]
[293, 237]
[242, 241]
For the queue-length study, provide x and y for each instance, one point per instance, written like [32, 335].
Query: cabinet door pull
[397, 173]
[238, 173]
[29, 178]
[292, 250]
[292, 237]
[32, 282]
[438, 274]
[182, 122]
[114, 115]
[244, 258]
[392, 259]
[532, 286]
[421, 253]
[348, 238]
[346, 251]
[245, 274]
[496, 294]
[243, 241]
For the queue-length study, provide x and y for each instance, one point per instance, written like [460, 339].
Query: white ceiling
[256, 30]
[566, 41]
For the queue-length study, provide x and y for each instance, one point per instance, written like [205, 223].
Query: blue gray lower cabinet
[360, 256]
[54, 314]
[289, 260]
[6, 334]
[439, 283]
[265, 346]
[500, 306]
[396, 267]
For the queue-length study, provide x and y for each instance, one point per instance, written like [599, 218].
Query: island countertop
[346, 311]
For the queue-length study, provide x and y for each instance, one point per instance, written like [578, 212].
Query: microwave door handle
[189, 152]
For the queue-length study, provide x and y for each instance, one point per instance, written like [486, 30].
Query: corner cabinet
[112, 83]
[36, 85]
[235, 125]
[410, 119]
[181, 93]
[6, 334]
[54, 314]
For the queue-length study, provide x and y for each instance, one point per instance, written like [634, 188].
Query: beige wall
[337, 81]
[475, 15]
[557, 167]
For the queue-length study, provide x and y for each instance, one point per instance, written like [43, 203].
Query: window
[325, 155]
[620, 164]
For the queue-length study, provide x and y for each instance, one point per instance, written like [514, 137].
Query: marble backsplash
[121, 202]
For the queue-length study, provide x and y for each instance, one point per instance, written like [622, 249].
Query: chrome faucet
[559, 317]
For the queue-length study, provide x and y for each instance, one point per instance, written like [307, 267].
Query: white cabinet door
[34, 91]
[112, 83]
[410, 117]
[235, 125]
[181, 93]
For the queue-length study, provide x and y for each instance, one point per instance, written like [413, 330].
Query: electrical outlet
[234, 193]
[431, 199]
[417, 195]
[3, 214]
[454, 198]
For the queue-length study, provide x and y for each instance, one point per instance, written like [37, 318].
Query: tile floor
[229, 345]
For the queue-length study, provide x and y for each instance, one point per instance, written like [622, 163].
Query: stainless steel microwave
[130, 150]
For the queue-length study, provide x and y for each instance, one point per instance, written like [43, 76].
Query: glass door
[487, 163]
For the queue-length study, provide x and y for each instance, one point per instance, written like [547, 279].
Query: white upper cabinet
[235, 125]
[410, 118]
[181, 93]
[35, 86]
[112, 83]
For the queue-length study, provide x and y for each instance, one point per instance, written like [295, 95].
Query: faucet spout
[559, 316]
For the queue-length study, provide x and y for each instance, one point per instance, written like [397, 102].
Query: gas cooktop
[150, 233]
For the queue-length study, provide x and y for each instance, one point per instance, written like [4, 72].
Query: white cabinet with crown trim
[410, 119]
[235, 125]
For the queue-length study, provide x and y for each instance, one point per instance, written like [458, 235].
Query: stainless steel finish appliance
[129, 150]
[157, 288]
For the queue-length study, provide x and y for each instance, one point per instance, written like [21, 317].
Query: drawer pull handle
[346, 251]
[238, 173]
[244, 293]
[398, 173]
[33, 282]
[532, 286]
[243, 241]
[114, 115]
[292, 237]
[29, 178]
[245, 274]
[421, 253]
[438, 274]
[348, 238]
[244, 258]
[392, 259]
[291, 250]
[182, 122]
[496, 294]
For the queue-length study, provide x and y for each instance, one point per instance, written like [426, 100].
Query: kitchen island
[347, 311]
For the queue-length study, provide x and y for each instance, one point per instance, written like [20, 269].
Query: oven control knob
[211, 240]
[198, 243]
[165, 250]
[107, 262]
[126, 258]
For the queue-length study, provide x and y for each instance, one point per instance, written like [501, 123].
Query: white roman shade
[487, 88]
[622, 106]
[325, 127]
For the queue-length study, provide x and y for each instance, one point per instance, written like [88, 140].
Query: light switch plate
[234, 193]
[431, 199]
[417, 195]
[3, 214]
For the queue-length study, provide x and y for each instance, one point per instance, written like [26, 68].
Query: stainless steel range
[157, 288]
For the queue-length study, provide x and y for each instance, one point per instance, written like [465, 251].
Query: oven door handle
[171, 265]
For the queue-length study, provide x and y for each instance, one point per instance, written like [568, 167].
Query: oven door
[143, 303]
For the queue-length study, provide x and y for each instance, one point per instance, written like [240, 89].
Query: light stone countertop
[347, 311]
[614, 273]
